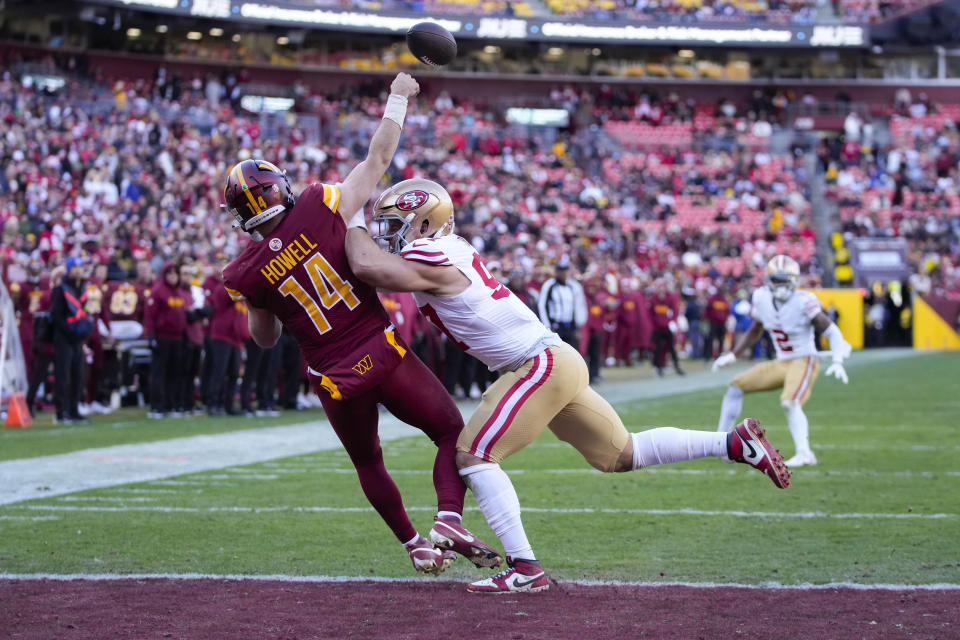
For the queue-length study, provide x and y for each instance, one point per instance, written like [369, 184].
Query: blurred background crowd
[661, 207]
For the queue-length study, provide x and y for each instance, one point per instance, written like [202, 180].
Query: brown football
[431, 44]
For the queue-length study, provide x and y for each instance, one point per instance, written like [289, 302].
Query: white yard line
[47, 476]
[735, 513]
[70, 577]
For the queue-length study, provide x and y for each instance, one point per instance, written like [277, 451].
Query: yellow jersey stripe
[392, 339]
[331, 196]
[331, 387]
[233, 293]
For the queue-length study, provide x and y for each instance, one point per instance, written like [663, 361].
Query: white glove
[841, 352]
[836, 370]
[723, 360]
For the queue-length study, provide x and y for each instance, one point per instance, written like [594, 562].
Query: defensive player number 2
[330, 289]
[782, 340]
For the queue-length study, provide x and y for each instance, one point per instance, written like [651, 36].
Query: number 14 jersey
[790, 324]
[486, 319]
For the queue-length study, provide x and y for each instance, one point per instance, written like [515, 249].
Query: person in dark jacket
[165, 322]
[71, 327]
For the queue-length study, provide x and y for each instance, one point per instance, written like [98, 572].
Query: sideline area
[31, 478]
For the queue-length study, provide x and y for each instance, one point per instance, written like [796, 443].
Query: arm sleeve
[811, 307]
[427, 253]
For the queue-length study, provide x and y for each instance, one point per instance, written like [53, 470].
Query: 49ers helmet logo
[411, 200]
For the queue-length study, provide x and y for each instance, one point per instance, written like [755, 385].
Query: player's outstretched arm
[356, 188]
[746, 342]
[840, 348]
[265, 328]
[387, 271]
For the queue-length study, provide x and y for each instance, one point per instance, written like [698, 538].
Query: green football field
[882, 507]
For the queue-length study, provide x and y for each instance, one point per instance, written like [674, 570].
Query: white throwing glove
[837, 371]
[723, 360]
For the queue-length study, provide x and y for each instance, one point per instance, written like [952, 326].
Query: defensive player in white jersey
[543, 381]
[791, 317]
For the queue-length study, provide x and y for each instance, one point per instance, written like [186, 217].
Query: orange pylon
[18, 415]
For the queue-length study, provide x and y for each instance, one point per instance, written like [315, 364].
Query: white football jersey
[789, 323]
[486, 319]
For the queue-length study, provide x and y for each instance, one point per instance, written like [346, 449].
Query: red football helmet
[256, 191]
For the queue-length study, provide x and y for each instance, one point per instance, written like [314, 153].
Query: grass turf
[881, 507]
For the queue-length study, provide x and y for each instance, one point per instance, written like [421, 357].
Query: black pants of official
[67, 377]
[663, 344]
[224, 371]
[191, 368]
[594, 357]
[291, 364]
[38, 375]
[714, 345]
[166, 375]
[568, 333]
[259, 376]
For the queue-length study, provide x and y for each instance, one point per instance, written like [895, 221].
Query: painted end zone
[230, 608]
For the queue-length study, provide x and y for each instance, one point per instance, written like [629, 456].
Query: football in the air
[431, 44]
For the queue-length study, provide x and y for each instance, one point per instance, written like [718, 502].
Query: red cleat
[449, 534]
[747, 444]
[521, 576]
[426, 559]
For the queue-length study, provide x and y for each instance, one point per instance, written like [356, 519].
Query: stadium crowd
[666, 236]
[778, 11]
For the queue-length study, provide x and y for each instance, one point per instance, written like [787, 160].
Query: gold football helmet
[782, 276]
[417, 204]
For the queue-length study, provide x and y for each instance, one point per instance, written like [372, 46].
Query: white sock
[499, 504]
[409, 543]
[730, 409]
[799, 427]
[664, 445]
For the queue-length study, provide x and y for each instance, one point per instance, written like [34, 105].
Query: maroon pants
[414, 395]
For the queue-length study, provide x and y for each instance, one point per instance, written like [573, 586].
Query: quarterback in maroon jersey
[295, 275]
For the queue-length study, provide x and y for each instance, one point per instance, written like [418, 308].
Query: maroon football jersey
[125, 300]
[300, 273]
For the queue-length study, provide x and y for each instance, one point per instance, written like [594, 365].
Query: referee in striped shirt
[562, 305]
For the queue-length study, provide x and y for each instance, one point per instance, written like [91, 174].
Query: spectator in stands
[228, 333]
[259, 380]
[562, 305]
[197, 312]
[596, 298]
[717, 311]
[165, 322]
[693, 312]
[94, 304]
[41, 341]
[71, 327]
[632, 321]
[664, 313]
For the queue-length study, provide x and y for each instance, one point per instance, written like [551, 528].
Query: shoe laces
[504, 573]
